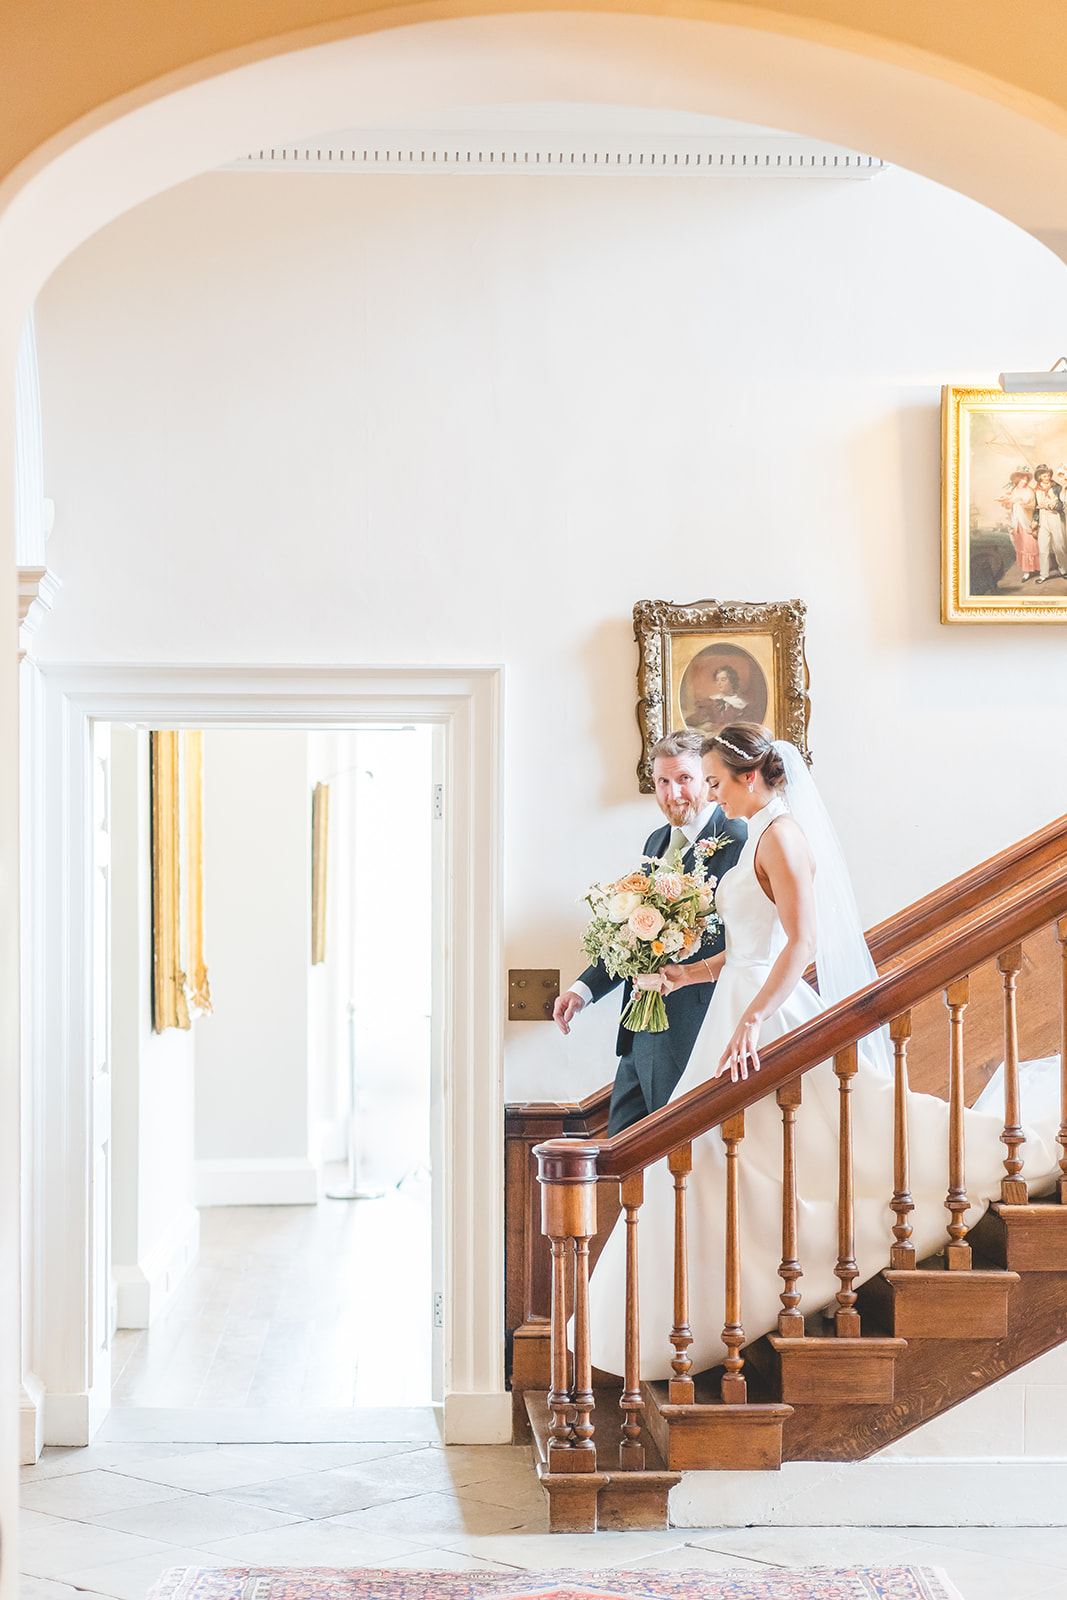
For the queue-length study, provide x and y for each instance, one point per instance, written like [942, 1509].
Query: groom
[650, 1064]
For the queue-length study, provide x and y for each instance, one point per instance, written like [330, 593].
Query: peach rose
[646, 922]
[669, 885]
[635, 881]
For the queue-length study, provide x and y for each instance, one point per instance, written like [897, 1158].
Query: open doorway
[241, 1287]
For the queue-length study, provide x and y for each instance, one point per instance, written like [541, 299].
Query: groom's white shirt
[692, 831]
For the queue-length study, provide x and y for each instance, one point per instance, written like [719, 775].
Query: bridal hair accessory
[744, 755]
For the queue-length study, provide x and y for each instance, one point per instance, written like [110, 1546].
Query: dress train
[754, 938]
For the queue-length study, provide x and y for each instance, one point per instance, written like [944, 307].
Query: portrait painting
[722, 683]
[713, 662]
[1004, 523]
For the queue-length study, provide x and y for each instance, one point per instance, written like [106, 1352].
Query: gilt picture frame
[713, 662]
[320, 843]
[180, 988]
[1004, 506]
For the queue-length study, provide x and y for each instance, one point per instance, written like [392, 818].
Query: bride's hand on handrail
[740, 1054]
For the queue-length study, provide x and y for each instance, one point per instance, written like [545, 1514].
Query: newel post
[566, 1171]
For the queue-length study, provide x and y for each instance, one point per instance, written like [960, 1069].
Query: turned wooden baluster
[790, 1319]
[957, 1253]
[1061, 934]
[846, 1318]
[902, 1251]
[734, 1388]
[559, 1396]
[1013, 1190]
[566, 1171]
[682, 1393]
[631, 1450]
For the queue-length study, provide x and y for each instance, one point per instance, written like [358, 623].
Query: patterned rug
[397, 1583]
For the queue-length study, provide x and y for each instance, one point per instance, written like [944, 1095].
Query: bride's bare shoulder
[784, 839]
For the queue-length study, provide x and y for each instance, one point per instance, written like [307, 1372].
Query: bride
[788, 899]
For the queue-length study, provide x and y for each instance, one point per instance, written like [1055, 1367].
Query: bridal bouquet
[647, 919]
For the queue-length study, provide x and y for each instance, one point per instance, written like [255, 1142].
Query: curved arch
[965, 129]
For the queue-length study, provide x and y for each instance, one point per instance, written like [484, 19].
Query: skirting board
[275, 1181]
[902, 1493]
[142, 1290]
[31, 1419]
[478, 1418]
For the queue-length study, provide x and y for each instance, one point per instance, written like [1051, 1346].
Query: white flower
[621, 906]
[673, 940]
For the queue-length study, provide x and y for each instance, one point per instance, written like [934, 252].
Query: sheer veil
[842, 960]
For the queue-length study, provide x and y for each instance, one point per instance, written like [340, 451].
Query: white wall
[311, 418]
[252, 1081]
[155, 1227]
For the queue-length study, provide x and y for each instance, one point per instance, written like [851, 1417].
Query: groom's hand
[566, 1008]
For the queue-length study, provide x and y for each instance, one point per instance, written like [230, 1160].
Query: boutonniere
[706, 848]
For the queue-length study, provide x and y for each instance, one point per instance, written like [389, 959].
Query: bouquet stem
[646, 1013]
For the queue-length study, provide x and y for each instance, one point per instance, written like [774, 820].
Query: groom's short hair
[682, 742]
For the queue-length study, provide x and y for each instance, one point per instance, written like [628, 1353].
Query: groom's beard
[679, 812]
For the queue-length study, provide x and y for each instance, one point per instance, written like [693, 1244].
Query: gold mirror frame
[669, 636]
[180, 987]
[320, 836]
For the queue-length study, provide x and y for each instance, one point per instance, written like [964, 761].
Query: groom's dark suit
[650, 1064]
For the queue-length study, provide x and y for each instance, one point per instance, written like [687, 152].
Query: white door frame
[466, 703]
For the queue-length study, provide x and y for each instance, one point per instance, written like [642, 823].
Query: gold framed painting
[1004, 515]
[180, 988]
[705, 665]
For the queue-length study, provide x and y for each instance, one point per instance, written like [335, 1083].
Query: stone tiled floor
[110, 1518]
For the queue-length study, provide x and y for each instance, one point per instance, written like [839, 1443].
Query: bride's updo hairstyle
[746, 747]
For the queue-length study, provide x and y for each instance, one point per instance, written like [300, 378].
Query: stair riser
[721, 1445]
[942, 1305]
[619, 1507]
[1025, 1239]
[849, 1381]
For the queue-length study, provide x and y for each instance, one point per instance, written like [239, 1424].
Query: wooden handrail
[893, 939]
[988, 880]
[1040, 899]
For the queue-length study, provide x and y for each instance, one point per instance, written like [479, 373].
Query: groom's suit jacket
[650, 1064]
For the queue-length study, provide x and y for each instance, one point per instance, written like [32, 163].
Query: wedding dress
[754, 938]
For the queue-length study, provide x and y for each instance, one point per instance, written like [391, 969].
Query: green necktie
[678, 841]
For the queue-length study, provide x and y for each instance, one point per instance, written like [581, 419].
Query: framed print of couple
[1004, 523]
[713, 662]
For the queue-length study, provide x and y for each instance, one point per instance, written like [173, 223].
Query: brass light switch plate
[532, 994]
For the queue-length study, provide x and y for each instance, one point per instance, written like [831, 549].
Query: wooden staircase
[913, 1341]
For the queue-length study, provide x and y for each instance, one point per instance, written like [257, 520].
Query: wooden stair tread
[876, 1344]
[606, 1407]
[710, 1436]
[611, 1497]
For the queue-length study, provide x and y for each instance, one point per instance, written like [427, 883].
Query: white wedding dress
[754, 937]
